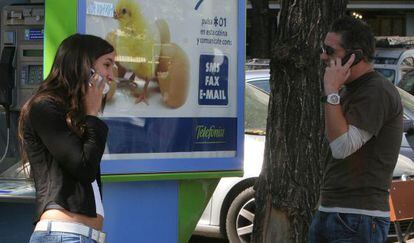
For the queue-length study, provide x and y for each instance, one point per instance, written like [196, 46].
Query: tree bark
[296, 149]
[260, 32]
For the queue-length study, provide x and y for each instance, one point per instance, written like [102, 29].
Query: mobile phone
[358, 57]
[100, 79]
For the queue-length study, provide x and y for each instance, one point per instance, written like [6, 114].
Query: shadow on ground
[202, 239]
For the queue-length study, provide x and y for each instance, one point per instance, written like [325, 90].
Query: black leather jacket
[63, 165]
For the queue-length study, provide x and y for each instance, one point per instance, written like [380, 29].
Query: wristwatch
[332, 98]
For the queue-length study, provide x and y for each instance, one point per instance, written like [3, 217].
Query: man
[363, 120]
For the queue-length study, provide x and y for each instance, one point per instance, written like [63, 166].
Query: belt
[69, 227]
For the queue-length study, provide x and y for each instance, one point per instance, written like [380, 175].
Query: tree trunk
[260, 32]
[296, 150]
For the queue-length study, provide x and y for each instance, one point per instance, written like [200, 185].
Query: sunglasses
[327, 50]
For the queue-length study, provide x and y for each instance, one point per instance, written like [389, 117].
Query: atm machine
[21, 71]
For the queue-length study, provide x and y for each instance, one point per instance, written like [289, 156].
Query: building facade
[387, 18]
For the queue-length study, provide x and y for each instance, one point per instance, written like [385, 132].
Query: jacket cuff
[97, 126]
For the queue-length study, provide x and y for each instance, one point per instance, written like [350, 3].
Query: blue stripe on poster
[170, 165]
[163, 135]
[241, 57]
[81, 17]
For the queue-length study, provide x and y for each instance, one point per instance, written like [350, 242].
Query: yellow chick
[137, 47]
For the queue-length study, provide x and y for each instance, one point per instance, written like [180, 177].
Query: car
[407, 82]
[394, 57]
[257, 64]
[230, 211]
[259, 79]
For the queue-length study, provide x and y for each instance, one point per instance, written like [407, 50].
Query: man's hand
[336, 74]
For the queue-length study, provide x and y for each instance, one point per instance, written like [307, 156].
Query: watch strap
[324, 99]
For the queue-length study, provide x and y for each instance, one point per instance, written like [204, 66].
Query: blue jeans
[348, 228]
[58, 237]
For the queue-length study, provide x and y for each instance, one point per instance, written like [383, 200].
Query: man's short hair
[355, 34]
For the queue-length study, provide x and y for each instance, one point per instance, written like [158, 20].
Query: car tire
[240, 216]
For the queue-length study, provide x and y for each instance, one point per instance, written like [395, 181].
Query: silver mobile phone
[100, 79]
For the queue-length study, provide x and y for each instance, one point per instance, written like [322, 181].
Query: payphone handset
[6, 75]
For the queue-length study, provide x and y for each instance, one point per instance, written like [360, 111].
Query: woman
[63, 140]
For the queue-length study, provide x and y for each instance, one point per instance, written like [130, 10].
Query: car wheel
[240, 217]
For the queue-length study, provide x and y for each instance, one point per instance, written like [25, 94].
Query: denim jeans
[348, 228]
[58, 237]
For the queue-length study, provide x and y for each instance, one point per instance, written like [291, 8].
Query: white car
[393, 63]
[230, 211]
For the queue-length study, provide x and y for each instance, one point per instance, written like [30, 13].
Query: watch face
[333, 99]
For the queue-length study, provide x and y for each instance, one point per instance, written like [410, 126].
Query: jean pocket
[350, 221]
[71, 238]
[382, 220]
[44, 237]
[381, 223]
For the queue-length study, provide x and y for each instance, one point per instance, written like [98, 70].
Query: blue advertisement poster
[176, 103]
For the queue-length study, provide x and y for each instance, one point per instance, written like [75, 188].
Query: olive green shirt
[362, 180]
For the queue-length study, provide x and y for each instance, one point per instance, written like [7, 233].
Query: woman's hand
[93, 97]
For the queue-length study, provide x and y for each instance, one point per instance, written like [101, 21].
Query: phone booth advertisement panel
[177, 102]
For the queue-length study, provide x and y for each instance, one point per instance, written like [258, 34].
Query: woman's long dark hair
[67, 81]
